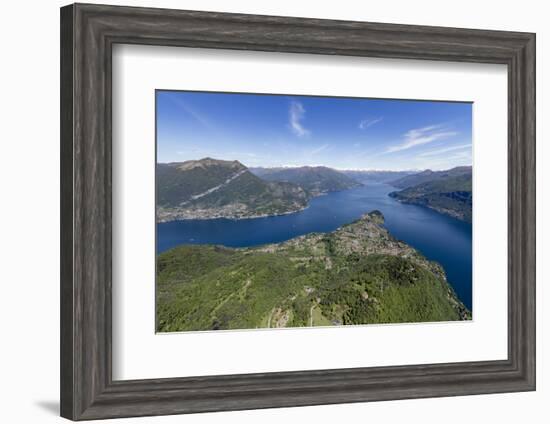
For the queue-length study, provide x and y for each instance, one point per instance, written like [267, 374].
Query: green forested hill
[210, 188]
[178, 181]
[448, 192]
[358, 274]
[314, 179]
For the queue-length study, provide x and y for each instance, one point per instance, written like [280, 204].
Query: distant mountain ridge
[211, 188]
[429, 175]
[314, 179]
[369, 177]
[448, 192]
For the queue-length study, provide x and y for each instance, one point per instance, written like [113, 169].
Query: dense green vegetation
[448, 192]
[313, 179]
[358, 274]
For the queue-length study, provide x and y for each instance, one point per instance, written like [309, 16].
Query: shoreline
[446, 212]
[233, 217]
[228, 216]
[375, 240]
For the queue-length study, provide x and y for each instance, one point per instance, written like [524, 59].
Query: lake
[438, 237]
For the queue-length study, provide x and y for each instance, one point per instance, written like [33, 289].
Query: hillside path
[215, 188]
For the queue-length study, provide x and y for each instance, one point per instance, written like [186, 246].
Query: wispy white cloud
[296, 115]
[420, 136]
[318, 149]
[369, 122]
[193, 112]
[437, 152]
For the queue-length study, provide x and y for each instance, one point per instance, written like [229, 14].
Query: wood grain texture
[66, 212]
[88, 33]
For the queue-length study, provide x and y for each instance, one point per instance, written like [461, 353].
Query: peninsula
[358, 274]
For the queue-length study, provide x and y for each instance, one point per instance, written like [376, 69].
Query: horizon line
[319, 165]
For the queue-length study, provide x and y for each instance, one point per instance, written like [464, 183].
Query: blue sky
[342, 133]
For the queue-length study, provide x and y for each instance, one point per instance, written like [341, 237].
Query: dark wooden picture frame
[88, 33]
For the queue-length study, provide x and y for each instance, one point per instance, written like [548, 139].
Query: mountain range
[211, 188]
[315, 180]
[428, 175]
[448, 192]
[369, 177]
[358, 274]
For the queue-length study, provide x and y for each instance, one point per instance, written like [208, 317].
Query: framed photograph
[264, 211]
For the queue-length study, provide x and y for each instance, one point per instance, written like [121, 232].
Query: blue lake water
[438, 237]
